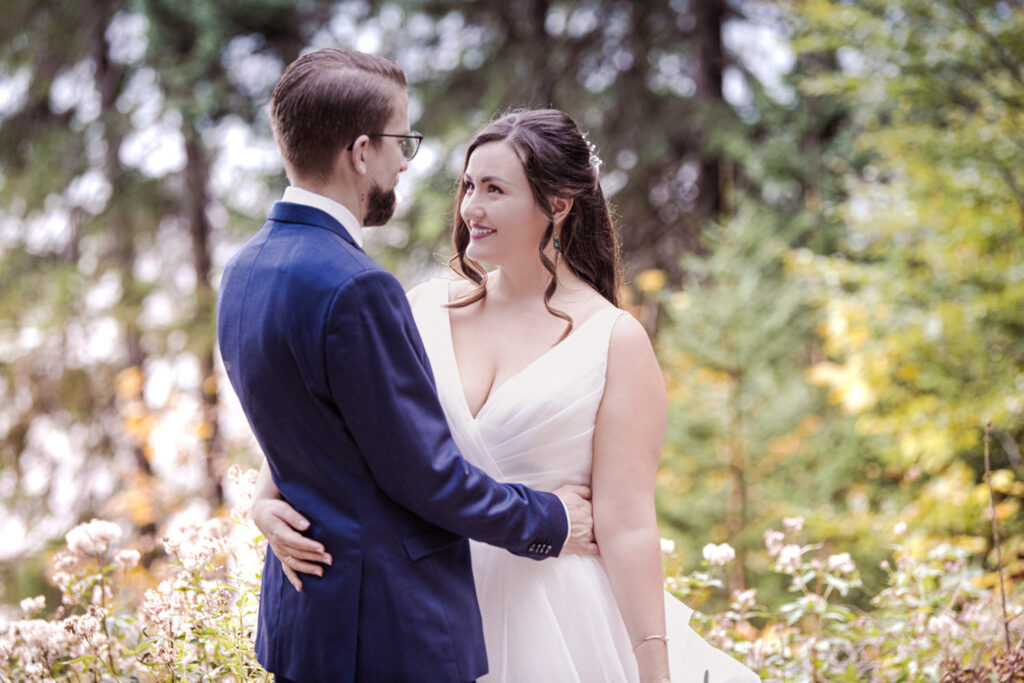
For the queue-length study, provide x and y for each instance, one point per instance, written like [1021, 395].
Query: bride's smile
[477, 231]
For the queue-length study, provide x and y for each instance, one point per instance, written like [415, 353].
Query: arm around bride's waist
[628, 440]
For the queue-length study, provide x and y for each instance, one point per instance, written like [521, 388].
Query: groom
[321, 348]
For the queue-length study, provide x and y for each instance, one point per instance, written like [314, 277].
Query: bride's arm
[278, 521]
[627, 447]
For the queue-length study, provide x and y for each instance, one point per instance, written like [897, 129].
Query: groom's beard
[381, 206]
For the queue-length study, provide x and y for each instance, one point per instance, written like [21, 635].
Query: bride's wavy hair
[559, 162]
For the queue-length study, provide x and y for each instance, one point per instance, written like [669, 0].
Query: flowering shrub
[932, 621]
[197, 623]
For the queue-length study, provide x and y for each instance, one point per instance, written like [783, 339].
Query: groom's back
[271, 312]
[276, 295]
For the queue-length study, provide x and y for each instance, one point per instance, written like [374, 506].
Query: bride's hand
[279, 522]
[581, 519]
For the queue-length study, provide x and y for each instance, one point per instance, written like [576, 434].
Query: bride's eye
[494, 188]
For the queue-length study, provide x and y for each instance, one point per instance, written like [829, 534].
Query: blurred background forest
[820, 205]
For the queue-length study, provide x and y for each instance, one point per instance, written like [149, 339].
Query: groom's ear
[560, 208]
[355, 154]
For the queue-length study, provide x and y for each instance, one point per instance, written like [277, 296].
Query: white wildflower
[789, 559]
[945, 627]
[814, 603]
[793, 524]
[87, 626]
[164, 652]
[719, 555]
[718, 635]
[126, 559]
[744, 600]
[955, 566]
[243, 487]
[92, 538]
[34, 605]
[668, 546]
[773, 541]
[841, 563]
[102, 593]
[900, 528]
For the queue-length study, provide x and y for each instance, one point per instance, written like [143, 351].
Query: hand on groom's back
[581, 517]
[280, 523]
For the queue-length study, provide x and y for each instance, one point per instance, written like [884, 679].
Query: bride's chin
[480, 255]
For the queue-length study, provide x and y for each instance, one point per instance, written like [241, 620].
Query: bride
[545, 381]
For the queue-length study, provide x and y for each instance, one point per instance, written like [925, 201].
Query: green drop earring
[558, 245]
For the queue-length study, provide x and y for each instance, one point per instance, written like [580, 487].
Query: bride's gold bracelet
[654, 637]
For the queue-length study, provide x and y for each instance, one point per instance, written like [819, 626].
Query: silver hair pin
[595, 160]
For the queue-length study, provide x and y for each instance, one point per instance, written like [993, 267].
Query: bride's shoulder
[630, 342]
[414, 294]
[633, 369]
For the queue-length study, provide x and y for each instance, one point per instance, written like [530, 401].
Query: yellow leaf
[710, 376]
[129, 383]
[972, 544]
[785, 446]
[139, 426]
[651, 280]
[1002, 481]
[908, 372]
[1004, 510]
[680, 301]
[823, 373]
[135, 502]
[204, 430]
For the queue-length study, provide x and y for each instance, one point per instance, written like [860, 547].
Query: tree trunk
[736, 520]
[709, 60]
[197, 173]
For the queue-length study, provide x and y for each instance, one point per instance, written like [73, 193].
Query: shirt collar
[296, 195]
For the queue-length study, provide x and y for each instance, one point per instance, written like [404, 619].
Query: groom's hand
[278, 521]
[581, 516]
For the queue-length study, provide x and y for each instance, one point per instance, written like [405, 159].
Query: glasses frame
[418, 137]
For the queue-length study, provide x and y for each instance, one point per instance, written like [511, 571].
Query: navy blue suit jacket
[321, 348]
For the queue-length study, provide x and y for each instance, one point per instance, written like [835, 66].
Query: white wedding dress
[552, 621]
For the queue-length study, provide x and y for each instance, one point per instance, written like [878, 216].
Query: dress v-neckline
[511, 378]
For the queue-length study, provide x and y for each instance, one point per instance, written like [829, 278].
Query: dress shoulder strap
[604, 322]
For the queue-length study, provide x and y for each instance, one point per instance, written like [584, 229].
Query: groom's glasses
[410, 142]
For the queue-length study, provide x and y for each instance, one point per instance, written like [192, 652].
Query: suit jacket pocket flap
[429, 542]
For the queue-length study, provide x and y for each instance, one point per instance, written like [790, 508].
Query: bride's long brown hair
[559, 162]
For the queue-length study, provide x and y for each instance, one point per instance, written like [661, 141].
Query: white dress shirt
[296, 195]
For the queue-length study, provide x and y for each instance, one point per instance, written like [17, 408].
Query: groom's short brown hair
[324, 100]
